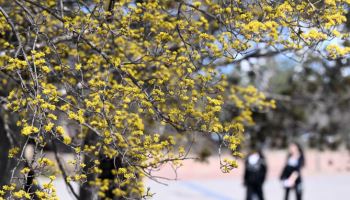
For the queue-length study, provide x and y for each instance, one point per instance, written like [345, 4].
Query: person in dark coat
[291, 175]
[254, 174]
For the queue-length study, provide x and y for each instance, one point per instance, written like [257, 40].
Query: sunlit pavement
[328, 187]
[326, 177]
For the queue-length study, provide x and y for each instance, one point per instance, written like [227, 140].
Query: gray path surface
[326, 187]
[326, 177]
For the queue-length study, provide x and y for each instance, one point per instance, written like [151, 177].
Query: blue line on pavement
[205, 191]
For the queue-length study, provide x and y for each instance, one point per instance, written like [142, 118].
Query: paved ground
[327, 177]
[326, 187]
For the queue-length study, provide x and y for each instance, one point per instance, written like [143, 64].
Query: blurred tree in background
[312, 99]
[125, 86]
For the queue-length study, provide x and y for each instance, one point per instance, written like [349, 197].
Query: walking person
[291, 175]
[254, 174]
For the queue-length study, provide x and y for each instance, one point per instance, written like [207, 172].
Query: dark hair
[256, 148]
[301, 152]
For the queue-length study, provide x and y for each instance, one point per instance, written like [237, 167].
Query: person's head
[256, 148]
[295, 149]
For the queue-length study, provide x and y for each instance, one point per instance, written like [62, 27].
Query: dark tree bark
[107, 165]
[5, 162]
[88, 192]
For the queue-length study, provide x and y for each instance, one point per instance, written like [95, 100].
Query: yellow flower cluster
[45, 162]
[13, 152]
[314, 34]
[21, 194]
[28, 130]
[335, 51]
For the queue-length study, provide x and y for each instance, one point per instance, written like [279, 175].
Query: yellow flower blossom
[28, 130]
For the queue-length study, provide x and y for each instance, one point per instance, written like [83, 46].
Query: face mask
[253, 159]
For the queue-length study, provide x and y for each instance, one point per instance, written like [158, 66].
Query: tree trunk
[5, 162]
[88, 192]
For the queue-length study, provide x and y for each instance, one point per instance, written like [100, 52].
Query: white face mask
[253, 159]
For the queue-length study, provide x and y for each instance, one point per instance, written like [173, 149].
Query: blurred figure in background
[291, 174]
[254, 174]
